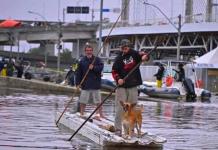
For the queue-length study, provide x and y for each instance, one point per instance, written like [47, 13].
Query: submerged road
[27, 122]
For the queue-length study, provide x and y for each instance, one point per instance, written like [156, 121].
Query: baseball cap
[125, 42]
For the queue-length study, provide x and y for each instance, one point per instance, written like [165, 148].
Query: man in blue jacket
[90, 87]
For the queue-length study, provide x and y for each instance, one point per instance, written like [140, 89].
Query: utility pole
[100, 25]
[59, 46]
[179, 37]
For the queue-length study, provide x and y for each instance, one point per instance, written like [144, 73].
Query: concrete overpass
[47, 34]
[196, 38]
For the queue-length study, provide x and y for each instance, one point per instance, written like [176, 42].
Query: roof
[161, 29]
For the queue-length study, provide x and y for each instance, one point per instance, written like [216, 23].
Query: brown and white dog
[131, 118]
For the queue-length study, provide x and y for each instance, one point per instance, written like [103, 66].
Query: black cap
[125, 42]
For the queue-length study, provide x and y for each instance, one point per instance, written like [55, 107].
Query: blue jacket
[1, 65]
[93, 78]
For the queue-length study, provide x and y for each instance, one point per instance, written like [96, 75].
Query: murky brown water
[27, 123]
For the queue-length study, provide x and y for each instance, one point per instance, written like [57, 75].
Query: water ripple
[27, 123]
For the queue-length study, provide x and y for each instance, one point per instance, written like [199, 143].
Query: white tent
[208, 60]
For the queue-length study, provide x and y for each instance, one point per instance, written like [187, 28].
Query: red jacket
[123, 65]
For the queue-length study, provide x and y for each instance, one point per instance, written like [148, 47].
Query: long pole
[129, 73]
[106, 39]
[92, 113]
[97, 53]
[66, 108]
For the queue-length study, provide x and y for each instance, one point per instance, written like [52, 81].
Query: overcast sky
[18, 9]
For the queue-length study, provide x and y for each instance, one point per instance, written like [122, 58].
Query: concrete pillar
[209, 10]
[75, 49]
[78, 53]
[125, 14]
[189, 11]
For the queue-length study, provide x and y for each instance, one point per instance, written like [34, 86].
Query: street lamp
[45, 20]
[177, 28]
[38, 14]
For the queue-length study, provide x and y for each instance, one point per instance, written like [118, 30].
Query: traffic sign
[85, 10]
[105, 10]
[78, 9]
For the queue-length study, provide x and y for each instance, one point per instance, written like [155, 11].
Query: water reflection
[27, 123]
[130, 148]
[186, 125]
[7, 91]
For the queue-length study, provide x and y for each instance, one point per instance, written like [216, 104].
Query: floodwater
[27, 123]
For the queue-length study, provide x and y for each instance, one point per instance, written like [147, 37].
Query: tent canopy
[208, 60]
[9, 23]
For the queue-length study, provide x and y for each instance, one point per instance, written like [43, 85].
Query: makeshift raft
[94, 131]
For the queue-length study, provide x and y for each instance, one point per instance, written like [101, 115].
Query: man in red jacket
[127, 90]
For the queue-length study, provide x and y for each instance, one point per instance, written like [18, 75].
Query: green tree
[37, 51]
[66, 55]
